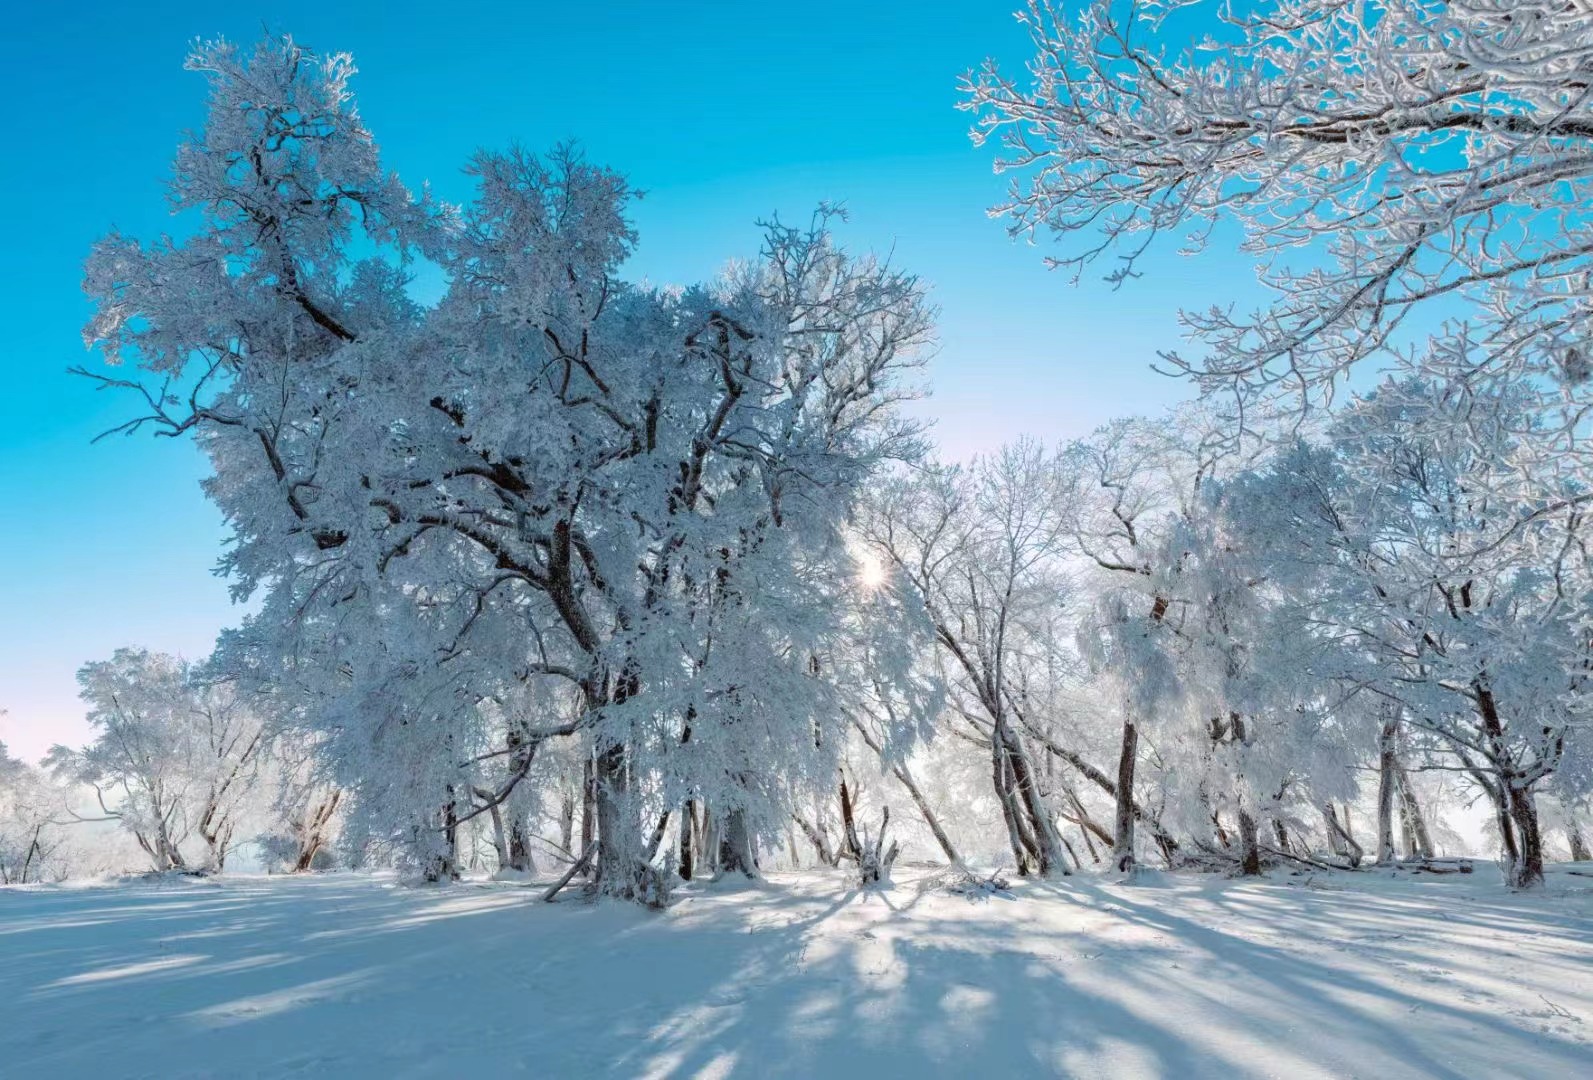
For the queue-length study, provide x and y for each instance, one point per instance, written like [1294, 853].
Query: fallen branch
[1463, 867]
[1304, 860]
[575, 868]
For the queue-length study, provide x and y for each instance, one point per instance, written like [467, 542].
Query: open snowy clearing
[350, 975]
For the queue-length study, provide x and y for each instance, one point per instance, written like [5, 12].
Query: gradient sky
[722, 113]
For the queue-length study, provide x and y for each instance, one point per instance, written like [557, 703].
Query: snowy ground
[347, 975]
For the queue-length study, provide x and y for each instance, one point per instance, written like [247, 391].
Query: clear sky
[722, 113]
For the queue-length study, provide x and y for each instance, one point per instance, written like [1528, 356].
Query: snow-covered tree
[139, 707]
[1382, 157]
[980, 547]
[548, 475]
[1406, 544]
[174, 756]
[33, 817]
[1125, 488]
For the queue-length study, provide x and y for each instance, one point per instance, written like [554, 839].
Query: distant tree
[174, 754]
[138, 705]
[33, 816]
[1125, 487]
[306, 804]
[980, 548]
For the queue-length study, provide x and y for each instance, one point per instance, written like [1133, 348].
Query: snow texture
[1379, 974]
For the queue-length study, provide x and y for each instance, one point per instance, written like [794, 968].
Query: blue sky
[722, 113]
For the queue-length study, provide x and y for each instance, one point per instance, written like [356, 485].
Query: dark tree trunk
[1281, 834]
[1385, 793]
[1164, 840]
[688, 853]
[520, 857]
[1249, 845]
[873, 858]
[312, 830]
[444, 865]
[1523, 841]
[737, 855]
[1528, 866]
[1123, 825]
[588, 811]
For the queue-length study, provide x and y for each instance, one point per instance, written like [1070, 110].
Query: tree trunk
[1507, 831]
[500, 838]
[311, 829]
[1335, 840]
[1077, 865]
[1249, 845]
[567, 821]
[708, 840]
[928, 814]
[1085, 824]
[737, 854]
[1573, 832]
[443, 864]
[688, 827]
[1047, 843]
[1164, 840]
[622, 868]
[521, 857]
[1340, 839]
[588, 812]
[1009, 809]
[1518, 814]
[873, 859]
[1281, 834]
[1123, 826]
[1385, 793]
[1527, 869]
[818, 837]
[1419, 841]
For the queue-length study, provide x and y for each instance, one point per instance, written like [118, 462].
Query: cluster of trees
[666, 573]
[1388, 163]
[183, 765]
[34, 843]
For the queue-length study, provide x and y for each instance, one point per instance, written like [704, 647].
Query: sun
[870, 571]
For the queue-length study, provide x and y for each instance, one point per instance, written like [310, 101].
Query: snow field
[1175, 976]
